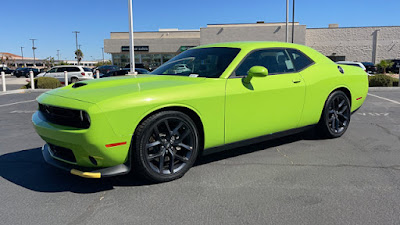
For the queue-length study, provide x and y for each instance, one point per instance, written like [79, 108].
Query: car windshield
[202, 62]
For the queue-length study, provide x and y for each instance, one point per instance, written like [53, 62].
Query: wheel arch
[74, 77]
[345, 90]
[186, 110]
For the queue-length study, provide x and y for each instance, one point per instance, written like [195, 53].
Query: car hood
[97, 90]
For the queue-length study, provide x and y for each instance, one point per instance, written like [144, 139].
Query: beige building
[364, 44]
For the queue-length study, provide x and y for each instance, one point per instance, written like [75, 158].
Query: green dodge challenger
[207, 98]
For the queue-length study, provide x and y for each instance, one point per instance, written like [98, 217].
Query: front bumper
[85, 171]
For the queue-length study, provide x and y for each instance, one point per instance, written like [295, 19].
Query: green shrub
[380, 80]
[395, 82]
[44, 83]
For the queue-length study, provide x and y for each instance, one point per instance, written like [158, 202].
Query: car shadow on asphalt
[309, 134]
[28, 169]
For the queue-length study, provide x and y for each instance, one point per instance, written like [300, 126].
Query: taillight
[83, 74]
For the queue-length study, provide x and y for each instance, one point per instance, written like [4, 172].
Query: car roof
[254, 45]
[67, 66]
[247, 46]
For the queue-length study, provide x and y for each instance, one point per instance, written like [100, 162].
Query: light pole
[58, 55]
[287, 19]
[131, 43]
[293, 23]
[33, 49]
[76, 38]
[102, 52]
[22, 53]
[76, 42]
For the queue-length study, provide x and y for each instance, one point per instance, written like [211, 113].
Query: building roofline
[348, 27]
[250, 23]
[163, 31]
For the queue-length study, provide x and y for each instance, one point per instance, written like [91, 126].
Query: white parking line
[22, 111]
[15, 103]
[390, 100]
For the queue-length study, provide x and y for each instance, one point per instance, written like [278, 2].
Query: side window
[277, 61]
[73, 69]
[300, 60]
[53, 70]
[61, 69]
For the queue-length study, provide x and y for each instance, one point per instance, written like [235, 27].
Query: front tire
[335, 117]
[166, 146]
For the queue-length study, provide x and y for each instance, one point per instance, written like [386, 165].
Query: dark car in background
[107, 68]
[395, 67]
[25, 72]
[370, 67]
[123, 72]
[6, 70]
[137, 65]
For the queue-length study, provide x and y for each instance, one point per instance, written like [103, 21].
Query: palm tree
[384, 64]
[79, 55]
[4, 60]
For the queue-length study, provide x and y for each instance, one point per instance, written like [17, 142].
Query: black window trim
[233, 74]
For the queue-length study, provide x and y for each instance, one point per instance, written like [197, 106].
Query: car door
[50, 73]
[59, 74]
[267, 104]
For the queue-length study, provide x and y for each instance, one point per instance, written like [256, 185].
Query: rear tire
[166, 146]
[74, 80]
[335, 117]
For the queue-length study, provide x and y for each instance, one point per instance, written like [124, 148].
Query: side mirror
[255, 71]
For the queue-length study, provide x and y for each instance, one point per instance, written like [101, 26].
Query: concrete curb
[384, 89]
[23, 91]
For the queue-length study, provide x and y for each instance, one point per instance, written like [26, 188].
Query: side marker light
[115, 144]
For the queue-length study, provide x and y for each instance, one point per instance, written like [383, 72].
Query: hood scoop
[79, 84]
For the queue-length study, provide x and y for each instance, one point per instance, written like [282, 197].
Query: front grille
[65, 117]
[62, 153]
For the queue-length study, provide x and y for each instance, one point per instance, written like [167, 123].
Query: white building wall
[357, 43]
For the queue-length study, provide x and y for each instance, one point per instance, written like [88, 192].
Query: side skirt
[256, 140]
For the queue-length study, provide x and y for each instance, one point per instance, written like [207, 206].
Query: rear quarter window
[300, 60]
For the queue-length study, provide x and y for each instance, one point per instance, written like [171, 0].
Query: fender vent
[79, 84]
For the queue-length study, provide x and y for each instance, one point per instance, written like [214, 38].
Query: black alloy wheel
[336, 115]
[166, 146]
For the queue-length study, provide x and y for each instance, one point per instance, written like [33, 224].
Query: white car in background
[351, 63]
[75, 73]
[181, 68]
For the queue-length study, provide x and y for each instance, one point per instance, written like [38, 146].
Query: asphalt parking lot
[298, 179]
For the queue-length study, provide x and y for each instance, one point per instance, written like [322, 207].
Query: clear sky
[52, 21]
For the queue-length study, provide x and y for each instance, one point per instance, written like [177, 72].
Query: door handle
[296, 81]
